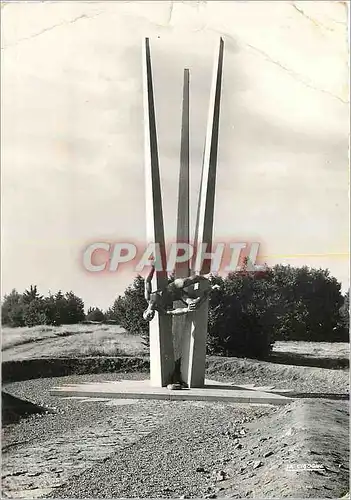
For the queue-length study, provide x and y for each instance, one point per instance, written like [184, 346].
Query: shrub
[241, 315]
[249, 311]
[34, 314]
[308, 304]
[12, 309]
[344, 324]
[127, 310]
[95, 314]
[73, 311]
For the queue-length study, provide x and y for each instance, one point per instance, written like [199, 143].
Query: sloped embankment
[279, 451]
[299, 379]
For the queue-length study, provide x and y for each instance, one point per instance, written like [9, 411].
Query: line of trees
[247, 312]
[30, 308]
[250, 311]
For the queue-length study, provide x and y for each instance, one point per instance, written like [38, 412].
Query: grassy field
[314, 349]
[69, 341]
[112, 340]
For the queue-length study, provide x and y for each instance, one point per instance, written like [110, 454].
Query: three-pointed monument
[178, 347]
[182, 354]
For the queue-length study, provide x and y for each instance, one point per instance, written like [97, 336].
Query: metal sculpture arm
[148, 280]
[180, 311]
[193, 305]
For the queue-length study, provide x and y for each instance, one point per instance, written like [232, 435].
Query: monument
[178, 311]
[178, 336]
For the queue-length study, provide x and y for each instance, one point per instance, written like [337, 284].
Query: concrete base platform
[141, 389]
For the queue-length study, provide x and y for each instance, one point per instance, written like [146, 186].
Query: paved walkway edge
[213, 391]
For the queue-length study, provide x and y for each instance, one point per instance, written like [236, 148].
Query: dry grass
[70, 341]
[339, 350]
[18, 336]
[112, 340]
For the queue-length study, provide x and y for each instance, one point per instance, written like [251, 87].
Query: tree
[12, 309]
[134, 306]
[117, 311]
[95, 314]
[60, 308]
[16, 315]
[241, 314]
[31, 308]
[344, 326]
[74, 310]
[51, 310]
[31, 295]
[34, 313]
[128, 309]
[284, 302]
[309, 302]
[34, 309]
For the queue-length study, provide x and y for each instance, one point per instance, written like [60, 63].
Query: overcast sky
[72, 135]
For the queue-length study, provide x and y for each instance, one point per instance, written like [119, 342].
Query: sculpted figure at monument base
[181, 289]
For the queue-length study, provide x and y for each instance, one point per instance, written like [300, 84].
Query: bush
[95, 314]
[282, 303]
[23, 309]
[34, 314]
[250, 311]
[344, 326]
[12, 310]
[308, 304]
[241, 316]
[73, 310]
[127, 310]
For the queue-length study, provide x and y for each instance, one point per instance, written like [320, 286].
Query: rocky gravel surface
[187, 455]
[105, 449]
[298, 379]
[211, 451]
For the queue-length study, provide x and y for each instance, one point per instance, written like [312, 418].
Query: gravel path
[225, 451]
[141, 448]
[42, 453]
[187, 455]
